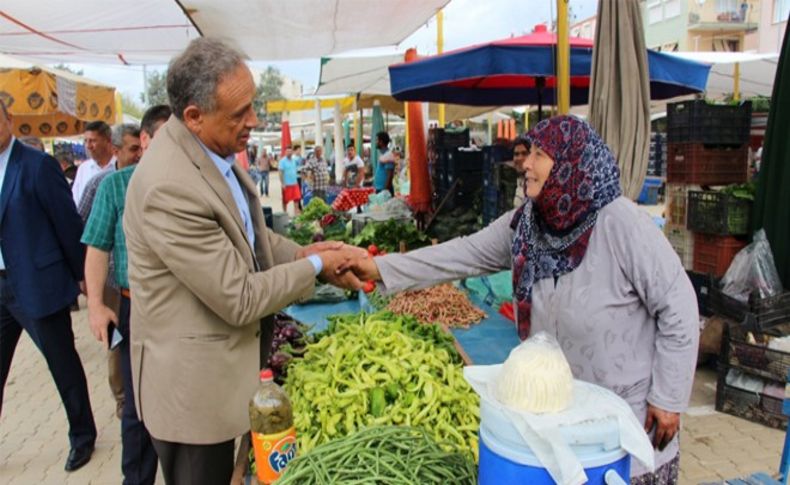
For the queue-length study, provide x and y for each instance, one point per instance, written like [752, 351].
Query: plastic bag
[753, 269]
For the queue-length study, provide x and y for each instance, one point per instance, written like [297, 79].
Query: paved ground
[34, 445]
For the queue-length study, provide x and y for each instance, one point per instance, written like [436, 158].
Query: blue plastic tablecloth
[488, 342]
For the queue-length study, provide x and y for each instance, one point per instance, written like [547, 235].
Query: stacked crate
[657, 162]
[752, 375]
[499, 182]
[707, 145]
[460, 172]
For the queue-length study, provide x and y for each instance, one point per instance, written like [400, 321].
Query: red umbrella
[286, 137]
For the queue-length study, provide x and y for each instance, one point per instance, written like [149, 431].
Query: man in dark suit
[41, 270]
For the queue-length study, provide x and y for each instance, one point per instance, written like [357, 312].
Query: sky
[466, 22]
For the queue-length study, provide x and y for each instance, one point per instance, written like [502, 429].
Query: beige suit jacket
[201, 295]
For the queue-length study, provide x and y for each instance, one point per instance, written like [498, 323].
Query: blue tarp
[429, 79]
[488, 342]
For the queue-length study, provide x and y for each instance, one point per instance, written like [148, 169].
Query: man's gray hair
[120, 131]
[193, 75]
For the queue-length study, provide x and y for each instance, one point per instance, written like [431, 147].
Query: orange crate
[713, 254]
[695, 163]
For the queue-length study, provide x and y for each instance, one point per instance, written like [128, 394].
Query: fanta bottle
[272, 427]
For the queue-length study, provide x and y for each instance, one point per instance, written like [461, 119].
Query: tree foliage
[155, 89]
[269, 89]
[131, 106]
[65, 67]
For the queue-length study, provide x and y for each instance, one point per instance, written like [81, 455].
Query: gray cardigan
[626, 318]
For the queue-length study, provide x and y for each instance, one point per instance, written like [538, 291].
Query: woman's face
[536, 166]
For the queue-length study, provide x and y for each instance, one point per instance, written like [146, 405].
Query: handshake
[344, 266]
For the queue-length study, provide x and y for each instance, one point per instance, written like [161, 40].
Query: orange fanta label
[272, 453]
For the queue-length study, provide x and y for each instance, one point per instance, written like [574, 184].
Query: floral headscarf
[553, 230]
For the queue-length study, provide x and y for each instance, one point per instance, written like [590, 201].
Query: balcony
[724, 16]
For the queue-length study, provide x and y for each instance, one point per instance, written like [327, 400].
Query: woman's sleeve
[487, 251]
[657, 276]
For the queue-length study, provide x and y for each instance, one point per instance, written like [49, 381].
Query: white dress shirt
[86, 171]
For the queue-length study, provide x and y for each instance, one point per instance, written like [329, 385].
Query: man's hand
[318, 247]
[666, 424]
[332, 260]
[363, 266]
[99, 317]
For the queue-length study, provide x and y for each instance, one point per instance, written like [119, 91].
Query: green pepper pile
[371, 370]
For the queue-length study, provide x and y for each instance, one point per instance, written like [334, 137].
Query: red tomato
[369, 286]
[373, 250]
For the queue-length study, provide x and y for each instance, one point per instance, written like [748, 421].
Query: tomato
[369, 286]
[373, 250]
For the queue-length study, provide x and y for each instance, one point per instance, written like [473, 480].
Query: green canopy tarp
[772, 205]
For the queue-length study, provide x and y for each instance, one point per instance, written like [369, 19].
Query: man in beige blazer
[205, 273]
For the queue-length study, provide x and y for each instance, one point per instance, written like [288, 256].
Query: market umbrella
[772, 205]
[419, 179]
[285, 137]
[48, 102]
[377, 125]
[520, 70]
[620, 90]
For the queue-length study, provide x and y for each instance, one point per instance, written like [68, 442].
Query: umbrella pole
[539, 83]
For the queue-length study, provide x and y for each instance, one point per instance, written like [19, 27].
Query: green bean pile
[382, 455]
[373, 371]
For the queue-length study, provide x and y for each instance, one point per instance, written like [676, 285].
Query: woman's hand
[666, 424]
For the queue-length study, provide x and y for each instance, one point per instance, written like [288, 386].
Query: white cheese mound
[535, 378]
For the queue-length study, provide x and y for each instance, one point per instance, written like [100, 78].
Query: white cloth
[86, 171]
[4, 157]
[541, 432]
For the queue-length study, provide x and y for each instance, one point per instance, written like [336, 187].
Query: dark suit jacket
[39, 233]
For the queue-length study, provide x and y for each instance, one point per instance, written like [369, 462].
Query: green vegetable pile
[387, 235]
[741, 191]
[458, 222]
[372, 370]
[313, 211]
[382, 454]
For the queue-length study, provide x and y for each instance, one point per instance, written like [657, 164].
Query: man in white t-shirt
[98, 143]
[353, 168]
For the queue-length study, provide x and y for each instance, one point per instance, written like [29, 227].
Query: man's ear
[193, 118]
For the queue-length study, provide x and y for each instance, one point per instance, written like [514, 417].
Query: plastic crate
[682, 241]
[713, 254]
[697, 121]
[758, 314]
[701, 283]
[441, 138]
[753, 406]
[755, 358]
[649, 195]
[677, 202]
[711, 212]
[694, 163]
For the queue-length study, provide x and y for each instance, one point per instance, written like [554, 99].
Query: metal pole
[563, 59]
[439, 50]
[319, 138]
[736, 82]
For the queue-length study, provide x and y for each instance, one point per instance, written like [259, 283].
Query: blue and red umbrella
[521, 70]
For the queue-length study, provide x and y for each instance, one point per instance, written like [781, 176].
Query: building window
[671, 8]
[781, 10]
[655, 13]
[726, 6]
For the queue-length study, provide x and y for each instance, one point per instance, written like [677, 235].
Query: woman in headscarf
[589, 268]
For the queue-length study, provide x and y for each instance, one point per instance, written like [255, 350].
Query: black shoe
[78, 457]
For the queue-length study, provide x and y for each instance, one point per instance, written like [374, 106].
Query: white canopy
[94, 31]
[344, 75]
[292, 29]
[757, 72]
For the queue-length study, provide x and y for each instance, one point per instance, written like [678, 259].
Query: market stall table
[488, 342]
